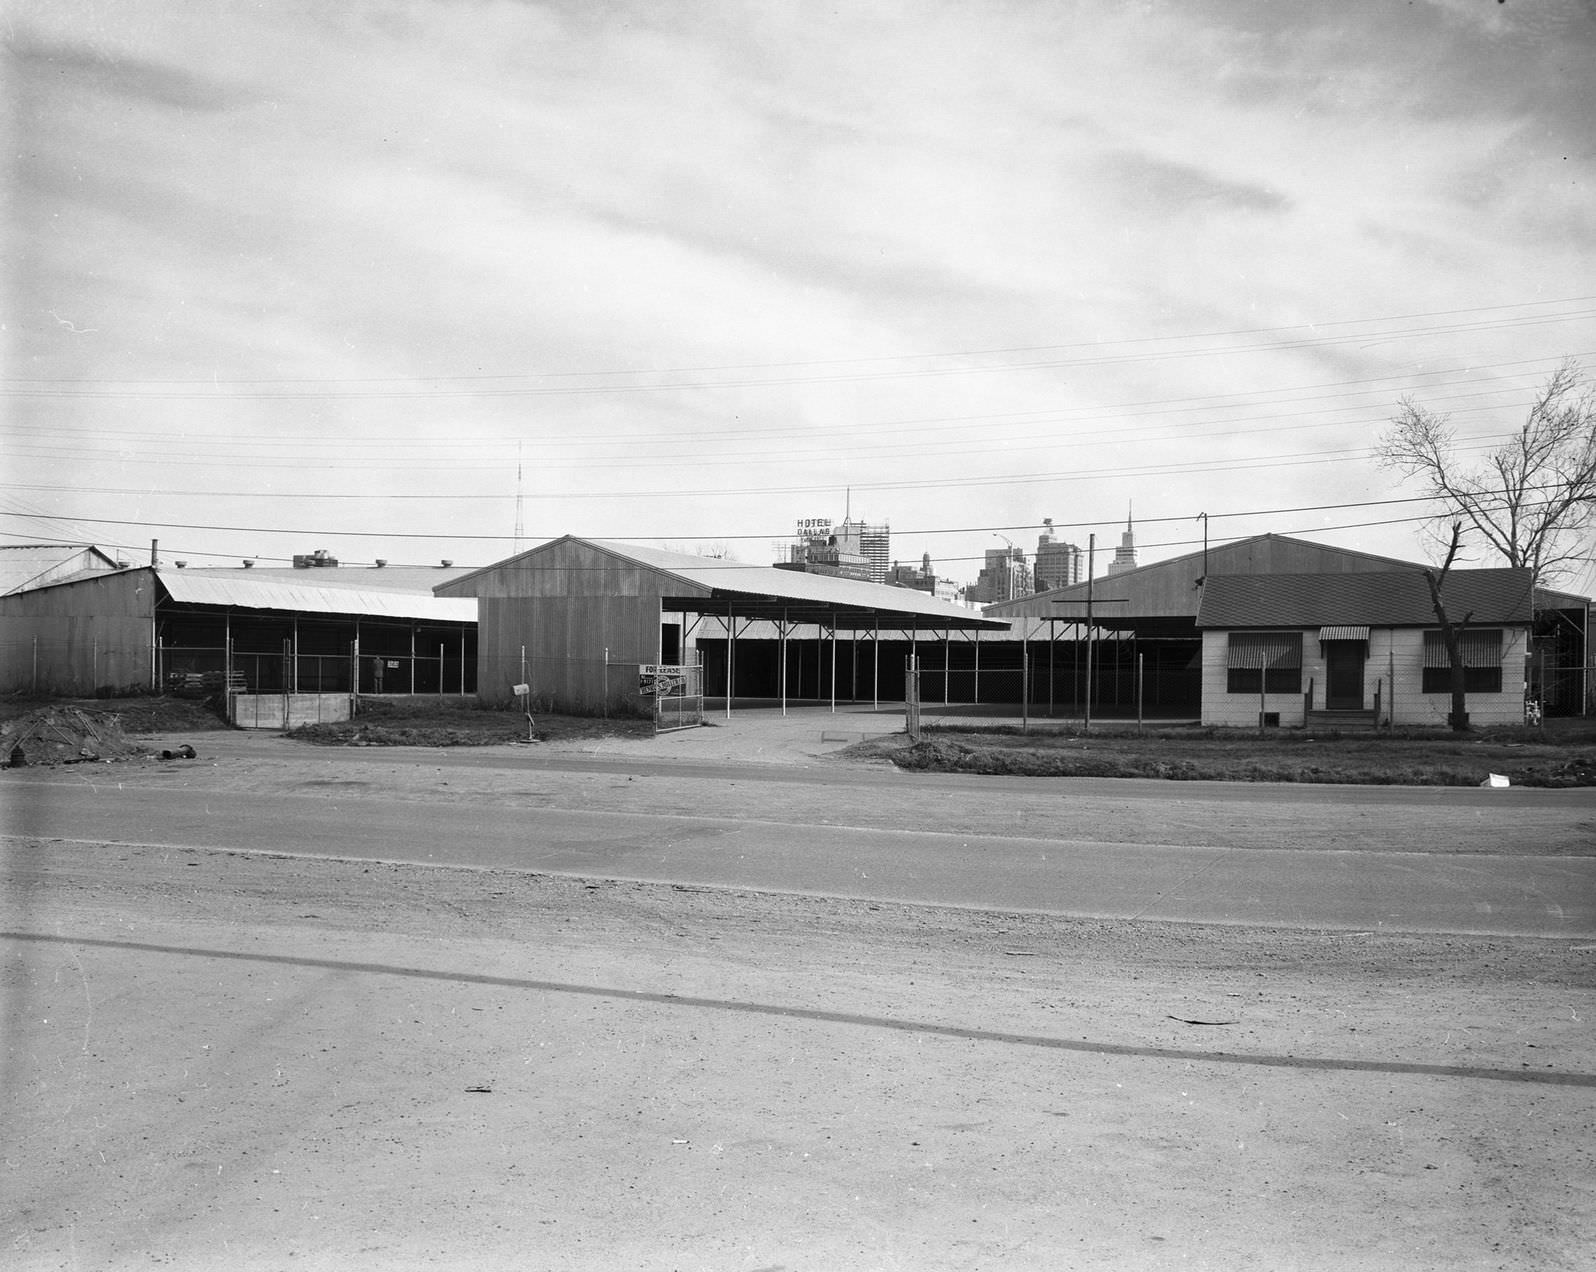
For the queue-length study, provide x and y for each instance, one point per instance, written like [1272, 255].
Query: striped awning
[1481, 647]
[1264, 649]
[1343, 633]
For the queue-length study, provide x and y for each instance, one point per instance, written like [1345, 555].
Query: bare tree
[1452, 635]
[1529, 494]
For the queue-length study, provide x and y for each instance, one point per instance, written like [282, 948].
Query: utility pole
[1091, 628]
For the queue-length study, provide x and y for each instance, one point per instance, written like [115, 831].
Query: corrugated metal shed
[317, 594]
[1395, 598]
[709, 585]
[1172, 589]
[26, 565]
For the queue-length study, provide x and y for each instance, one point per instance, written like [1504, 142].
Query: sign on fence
[658, 679]
[678, 693]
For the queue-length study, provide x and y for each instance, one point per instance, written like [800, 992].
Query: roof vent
[447, 563]
[248, 562]
[381, 563]
[180, 564]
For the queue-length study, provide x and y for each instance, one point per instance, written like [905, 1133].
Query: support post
[1140, 669]
[1025, 683]
[833, 664]
[975, 694]
[1091, 629]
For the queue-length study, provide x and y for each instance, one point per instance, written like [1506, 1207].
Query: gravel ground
[227, 1060]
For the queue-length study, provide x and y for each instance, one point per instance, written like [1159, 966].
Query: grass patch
[1555, 757]
[446, 722]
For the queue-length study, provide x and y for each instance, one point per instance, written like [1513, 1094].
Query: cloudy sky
[286, 276]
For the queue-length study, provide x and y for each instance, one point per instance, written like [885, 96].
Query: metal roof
[1169, 588]
[1343, 633]
[711, 585]
[1395, 598]
[763, 591]
[28, 565]
[316, 594]
[418, 580]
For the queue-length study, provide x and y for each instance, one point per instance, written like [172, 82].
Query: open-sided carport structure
[576, 619]
[315, 633]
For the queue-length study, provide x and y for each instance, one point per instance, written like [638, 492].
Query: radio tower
[520, 527]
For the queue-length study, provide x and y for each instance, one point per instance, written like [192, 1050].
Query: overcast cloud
[328, 273]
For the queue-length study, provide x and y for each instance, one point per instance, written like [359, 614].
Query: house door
[1343, 674]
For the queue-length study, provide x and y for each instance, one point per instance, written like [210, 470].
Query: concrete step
[1345, 721]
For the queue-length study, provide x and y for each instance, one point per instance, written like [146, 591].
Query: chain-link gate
[678, 693]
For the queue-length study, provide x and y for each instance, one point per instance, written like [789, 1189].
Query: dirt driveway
[223, 1060]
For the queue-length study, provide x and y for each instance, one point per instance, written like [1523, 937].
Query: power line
[877, 358]
[1263, 399]
[1382, 337]
[919, 533]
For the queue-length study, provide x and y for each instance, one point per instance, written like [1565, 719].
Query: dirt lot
[225, 1060]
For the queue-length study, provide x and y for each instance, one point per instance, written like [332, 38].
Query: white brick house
[1323, 649]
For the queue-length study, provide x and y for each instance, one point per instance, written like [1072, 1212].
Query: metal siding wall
[565, 638]
[567, 604]
[89, 634]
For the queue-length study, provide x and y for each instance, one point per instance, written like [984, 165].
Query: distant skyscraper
[1004, 577]
[1058, 564]
[853, 549]
[873, 543]
[1125, 554]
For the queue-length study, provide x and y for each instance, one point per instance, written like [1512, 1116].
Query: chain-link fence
[677, 691]
[190, 669]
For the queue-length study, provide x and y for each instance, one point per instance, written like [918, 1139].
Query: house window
[1482, 661]
[1264, 662]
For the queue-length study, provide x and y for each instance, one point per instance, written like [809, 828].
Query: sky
[422, 281]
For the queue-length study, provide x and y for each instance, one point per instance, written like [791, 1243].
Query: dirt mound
[65, 735]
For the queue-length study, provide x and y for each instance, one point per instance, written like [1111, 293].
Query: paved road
[1093, 876]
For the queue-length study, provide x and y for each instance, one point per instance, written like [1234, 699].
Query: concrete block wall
[1429, 710]
[1240, 710]
[1393, 653]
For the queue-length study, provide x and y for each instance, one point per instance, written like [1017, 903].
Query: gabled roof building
[25, 565]
[576, 618]
[1339, 650]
